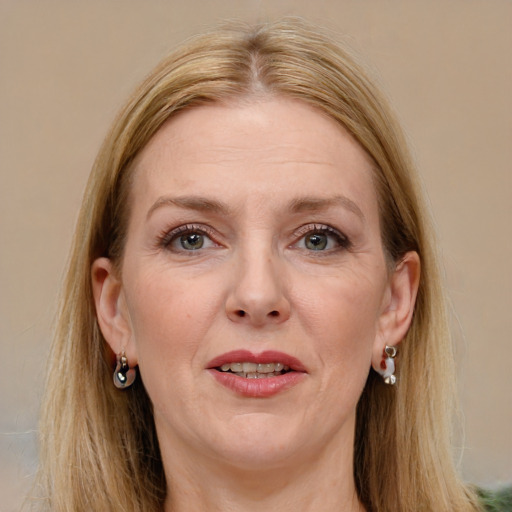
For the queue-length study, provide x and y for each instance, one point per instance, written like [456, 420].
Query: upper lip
[268, 356]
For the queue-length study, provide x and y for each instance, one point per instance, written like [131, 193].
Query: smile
[257, 375]
[255, 370]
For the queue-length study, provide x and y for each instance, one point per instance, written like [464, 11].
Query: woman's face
[253, 239]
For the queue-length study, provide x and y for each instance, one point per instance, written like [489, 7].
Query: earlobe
[397, 313]
[111, 311]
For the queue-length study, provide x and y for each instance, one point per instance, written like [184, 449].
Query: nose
[258, 296]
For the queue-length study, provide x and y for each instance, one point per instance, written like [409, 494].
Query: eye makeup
[321, 238]
[187, 238]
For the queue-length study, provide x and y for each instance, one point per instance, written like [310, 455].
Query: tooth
[255, 370]
[265, 368]
[236, 367]
[249, 367]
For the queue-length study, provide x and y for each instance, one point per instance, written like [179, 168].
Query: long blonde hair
[99, 450]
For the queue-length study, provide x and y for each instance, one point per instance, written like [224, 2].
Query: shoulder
[496, 501]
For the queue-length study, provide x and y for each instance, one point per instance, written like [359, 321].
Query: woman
[254, 267]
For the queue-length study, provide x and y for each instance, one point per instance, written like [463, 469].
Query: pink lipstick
[257, 375]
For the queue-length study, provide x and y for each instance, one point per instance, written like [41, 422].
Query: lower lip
[258, 388]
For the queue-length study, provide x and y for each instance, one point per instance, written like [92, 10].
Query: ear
[111, 310]
[398, 306]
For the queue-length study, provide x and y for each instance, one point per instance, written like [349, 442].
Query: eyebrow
[314, 204]
[302, 204]
[201, 204]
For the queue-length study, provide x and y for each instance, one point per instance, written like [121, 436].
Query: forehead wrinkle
[279, 152]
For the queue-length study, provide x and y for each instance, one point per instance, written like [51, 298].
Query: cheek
[343, 314]
[170, 315]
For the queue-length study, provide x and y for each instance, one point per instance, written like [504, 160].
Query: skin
[278, 167]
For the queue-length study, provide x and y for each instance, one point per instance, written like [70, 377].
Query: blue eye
[187, 238]
[316, 241]
[321, 238]
[191, 241]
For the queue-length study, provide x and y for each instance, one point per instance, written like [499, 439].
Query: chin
[260, 453]
[261, 441]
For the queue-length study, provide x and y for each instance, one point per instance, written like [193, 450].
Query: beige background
[66, 67]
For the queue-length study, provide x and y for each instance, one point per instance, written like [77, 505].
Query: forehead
[267, 146]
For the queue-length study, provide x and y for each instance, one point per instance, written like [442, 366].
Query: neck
[322, 482]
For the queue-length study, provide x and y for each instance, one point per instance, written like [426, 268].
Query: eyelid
[167, 236]
[315, 227]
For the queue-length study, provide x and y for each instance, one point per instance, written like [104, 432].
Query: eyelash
[342, 240]
[167, 238]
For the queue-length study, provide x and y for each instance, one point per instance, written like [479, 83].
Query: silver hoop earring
[387, 365]
[124, 376]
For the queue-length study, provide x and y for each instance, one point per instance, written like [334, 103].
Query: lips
[257, 375]
[267, 357]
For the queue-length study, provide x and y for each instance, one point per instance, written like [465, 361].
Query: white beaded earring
[387, 365]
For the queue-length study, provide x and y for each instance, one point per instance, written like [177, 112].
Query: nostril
[240, 313]
[274, 313]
